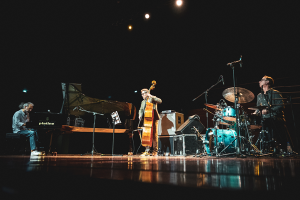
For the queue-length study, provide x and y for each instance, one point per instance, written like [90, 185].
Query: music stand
[115, 120]
[93, 143]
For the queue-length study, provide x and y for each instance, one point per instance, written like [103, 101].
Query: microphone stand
[237, 128]
[93, 141]
[206, 94]
[215, 129]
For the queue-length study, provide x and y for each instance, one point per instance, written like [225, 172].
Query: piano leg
[130, 150]
[50, 144]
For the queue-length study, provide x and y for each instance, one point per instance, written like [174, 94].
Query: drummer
[273, 115]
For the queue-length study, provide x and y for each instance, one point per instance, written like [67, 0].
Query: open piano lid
[74, 97]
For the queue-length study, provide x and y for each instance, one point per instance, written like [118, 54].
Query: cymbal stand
[247, 134]
[262, 133]
[93, 141]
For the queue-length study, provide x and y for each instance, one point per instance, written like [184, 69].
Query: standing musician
[273, 115]
[151, 99]
[19, 125]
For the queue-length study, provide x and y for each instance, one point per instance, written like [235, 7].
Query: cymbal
[212, 106]
[244, 95]
[258, 107]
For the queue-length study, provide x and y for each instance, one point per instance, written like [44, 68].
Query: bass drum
[225, 137]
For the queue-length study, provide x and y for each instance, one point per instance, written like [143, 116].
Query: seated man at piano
[19, 125]
[155, 100]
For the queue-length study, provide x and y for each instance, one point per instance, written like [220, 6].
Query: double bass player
[154, 100]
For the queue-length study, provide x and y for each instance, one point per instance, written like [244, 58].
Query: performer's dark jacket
[275, 107]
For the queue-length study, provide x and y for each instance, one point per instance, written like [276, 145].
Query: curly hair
[22, 105]
[270, 79]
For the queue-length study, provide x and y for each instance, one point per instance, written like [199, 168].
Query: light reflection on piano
[73, 97]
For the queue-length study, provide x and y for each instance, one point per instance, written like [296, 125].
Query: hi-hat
[243, 95]
[258, 107]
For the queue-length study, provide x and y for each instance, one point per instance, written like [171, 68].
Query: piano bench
[16, 144]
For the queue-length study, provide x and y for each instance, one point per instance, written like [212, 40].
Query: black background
[184, 49]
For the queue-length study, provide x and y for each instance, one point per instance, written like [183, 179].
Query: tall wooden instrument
[148, 120]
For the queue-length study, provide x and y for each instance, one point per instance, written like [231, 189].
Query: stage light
[129, 27]
[147, 16]
[135, 91]
[179, 3]
[24, 91]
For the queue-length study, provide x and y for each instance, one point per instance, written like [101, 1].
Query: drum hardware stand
[93, 141]
[261, 139]
[247, 134]
[197, 154]
[215, 130]
[292, 110]
[206, 94]
[237, 138]
[242, 137]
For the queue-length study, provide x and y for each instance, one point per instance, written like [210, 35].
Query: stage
[72, 176]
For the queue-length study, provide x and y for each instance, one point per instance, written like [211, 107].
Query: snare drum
[254, 121]
[228, 114]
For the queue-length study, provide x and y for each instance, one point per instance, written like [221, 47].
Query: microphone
[235, 62]
[222, 79]
[241, 62]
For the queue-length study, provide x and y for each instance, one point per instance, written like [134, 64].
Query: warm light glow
[178, 2]
[129, 27]
[147, 16]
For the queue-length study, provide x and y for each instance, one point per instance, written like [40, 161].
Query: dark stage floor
[75, 176]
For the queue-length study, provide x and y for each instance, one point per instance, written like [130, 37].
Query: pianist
[19, 125]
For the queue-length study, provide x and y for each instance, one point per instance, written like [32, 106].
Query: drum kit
[223, 141]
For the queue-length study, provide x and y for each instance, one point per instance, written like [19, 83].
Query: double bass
[148, 120]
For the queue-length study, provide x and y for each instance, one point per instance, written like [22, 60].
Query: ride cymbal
[243, 95]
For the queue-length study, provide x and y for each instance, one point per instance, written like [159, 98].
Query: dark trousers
[276, 130]
[33, 137]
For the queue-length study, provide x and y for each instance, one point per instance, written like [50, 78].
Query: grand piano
[70, 120]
